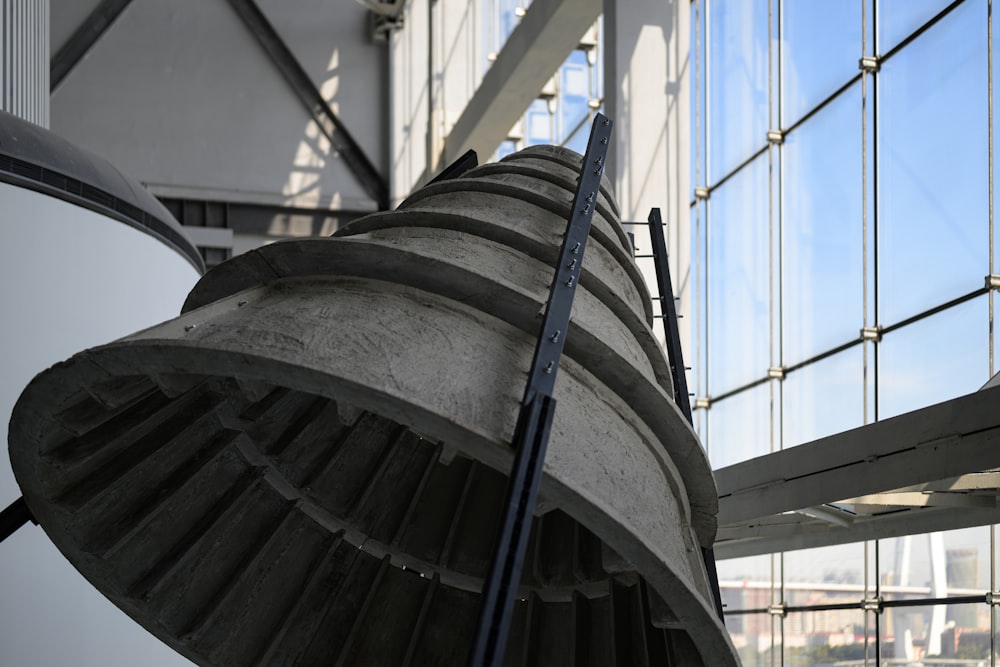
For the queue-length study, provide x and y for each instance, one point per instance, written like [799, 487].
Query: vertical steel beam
[534, 421]
[676, 358]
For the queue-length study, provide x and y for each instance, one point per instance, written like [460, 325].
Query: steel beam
[944, 440]
[546, 35]
[83, 39]
[328, 122]
[788, 532]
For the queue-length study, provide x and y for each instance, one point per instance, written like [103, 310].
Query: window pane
[919, 633]
[824, 637]
[737, 83]
[932, 102]
[745, 583]
[943, 356]
[827, 575]
[823, 398]
[820, 50]
[896, 19]
[739, 427]
[823, 237]
[943, 564]
[738, 331]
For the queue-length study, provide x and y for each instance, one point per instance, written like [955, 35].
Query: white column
[647, 94]
[24, 59]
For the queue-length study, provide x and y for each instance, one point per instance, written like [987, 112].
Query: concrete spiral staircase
[306, 467]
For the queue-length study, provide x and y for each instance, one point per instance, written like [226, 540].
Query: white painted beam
[880, 501]
[944, 440]
[789, 532]
[547, 34]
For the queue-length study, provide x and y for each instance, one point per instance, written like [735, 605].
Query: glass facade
[564, 109]
[843, 163]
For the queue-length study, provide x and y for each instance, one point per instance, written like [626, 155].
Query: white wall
[71, 279]
[181, 96]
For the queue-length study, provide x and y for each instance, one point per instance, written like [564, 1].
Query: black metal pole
[531, 434]
[13, 517]
[668, 308]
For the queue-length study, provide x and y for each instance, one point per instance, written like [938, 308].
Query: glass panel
[698, 294]
[967, 560]
[737, 83]
[940, 357]
[820, 50]
[539, 123]
[941, 564]
[932, 105]
[823, 398]
[738, 307]
[751, 636]
[824, 637]
[822, 235]
[739, 427]
[872, 621]
[959, 634]
[827, 575]
[575, 91]
[745, 583]
[996, 623]
[896, 19]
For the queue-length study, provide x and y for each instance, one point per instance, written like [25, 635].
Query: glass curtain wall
[565, 107]
[843, 248]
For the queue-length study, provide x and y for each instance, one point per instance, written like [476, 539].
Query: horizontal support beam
[789, 532]
[542, 41]
[953, 438]
[920, 499]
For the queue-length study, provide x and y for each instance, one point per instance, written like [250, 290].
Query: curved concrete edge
[491, 276]
[599, 231]
[567, 158]
[541, 244]
[148, 352]
[555, 174]
[370, 259]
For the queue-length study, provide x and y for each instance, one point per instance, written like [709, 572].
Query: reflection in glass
[823, 398]
[934, 359]
[822, 234]
[739, 426]
[737, 83]
[820, 49]
[896, 19]
[932, 104]
[738, 256]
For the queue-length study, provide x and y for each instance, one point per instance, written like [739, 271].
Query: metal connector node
[993, 281]
[778, 610]
[702, 403]
[872, 604]
[776, 373]
[871, 333]
[775, 137]
[701, 193]
[869, 64]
